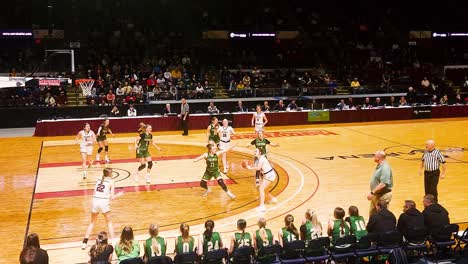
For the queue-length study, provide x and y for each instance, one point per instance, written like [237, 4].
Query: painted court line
[138, 188]
[78, 163]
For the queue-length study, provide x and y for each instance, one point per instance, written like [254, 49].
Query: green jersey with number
[214, 134]
[212, 163]
[268, 239]
[287, 236]
[358, 226]
[310, 231]
[145, 140]
[184, 246]
[211, 244]
[160, 245]
[242, 239]
[261, 143]
[339, 231]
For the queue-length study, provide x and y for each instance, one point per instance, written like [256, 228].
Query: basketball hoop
[86, 85]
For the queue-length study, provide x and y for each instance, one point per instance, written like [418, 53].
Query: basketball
[245, 163]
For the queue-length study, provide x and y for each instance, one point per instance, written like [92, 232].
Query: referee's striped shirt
[432, 160]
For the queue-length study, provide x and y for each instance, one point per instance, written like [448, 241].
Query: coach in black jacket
[435, 216]
[382, 221]
[411, 218]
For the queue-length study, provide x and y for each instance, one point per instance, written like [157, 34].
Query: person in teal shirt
[127, 247]
[381, 183]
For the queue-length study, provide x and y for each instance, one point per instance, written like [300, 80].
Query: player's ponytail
[339, 214]
[262, 231]
[184, 229]
[209, 225]
[289, 221]
[241, 225]
[101, 245]
[154, 232]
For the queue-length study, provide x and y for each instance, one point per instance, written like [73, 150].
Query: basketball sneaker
[84, 175]
[207, 191]
[106, 159]
[84, 245]
[257, 182]
[148, 179]
[98, 158]
[261, 208]
[230, 194]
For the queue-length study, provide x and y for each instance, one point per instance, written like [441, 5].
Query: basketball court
[319, 167]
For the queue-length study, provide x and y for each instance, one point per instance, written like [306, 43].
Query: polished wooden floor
[319, 166]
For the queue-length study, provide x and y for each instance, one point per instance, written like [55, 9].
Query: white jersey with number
[267, 169]
[86, 144]
[259, 121]
[101, 199]
[225, 134]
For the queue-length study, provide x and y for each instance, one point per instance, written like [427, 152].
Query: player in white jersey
[104, 191]
[86, 138]
[259, 120]
[225, 132]
[269, 175]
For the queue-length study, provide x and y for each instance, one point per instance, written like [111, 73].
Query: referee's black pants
[431, 179]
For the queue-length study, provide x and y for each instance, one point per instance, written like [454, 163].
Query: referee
[431, 161]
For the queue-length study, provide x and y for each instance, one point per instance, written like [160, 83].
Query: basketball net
[86, 85]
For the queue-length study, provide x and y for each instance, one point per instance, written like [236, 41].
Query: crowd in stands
[433, 221]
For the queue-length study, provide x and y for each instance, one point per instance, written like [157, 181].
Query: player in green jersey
[155, 246]
[338, 227]
[240, 238]
[263, 237]
[289, 232]
[184, 243]
[142, 143]
[212, 131]
[311, 228]
[101, 139]
[212, 169]
[356, 222]
[209, 240]
[261, 142]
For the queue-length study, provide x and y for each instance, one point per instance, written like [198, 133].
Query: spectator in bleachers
[246, 80]
[367, 104]
[62, 99]
[240, 87]
[458, 99]
[212, 109]
[167, 110]
[444, 100]
[435, 215]
[127, 247]
[280, 106]
[185, 243]
[131, 111]
[356, 222]
[49, 100]
[110, 98]
[342, 105]
[426, 86]
[410, 218]
[167, 74]
[140, 98]
[240, 107]
[208, 90]
[285, 86]
[411, 95]
[392, 102]
[200, 92]
[32, 251]
[137, 87]
[161, 81]
[176, 74]
[114, 112]
[155, 246]
[402, 101]
[311, 227]
[265, 107]
[240, 238]
[383, 220]
[119, 93]
[130, 99]
[378, 103]
[127, 89]
[102, 251]
[356, 86]
[338, 226]
[292, 106]
[350, 103]
[289, 232]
